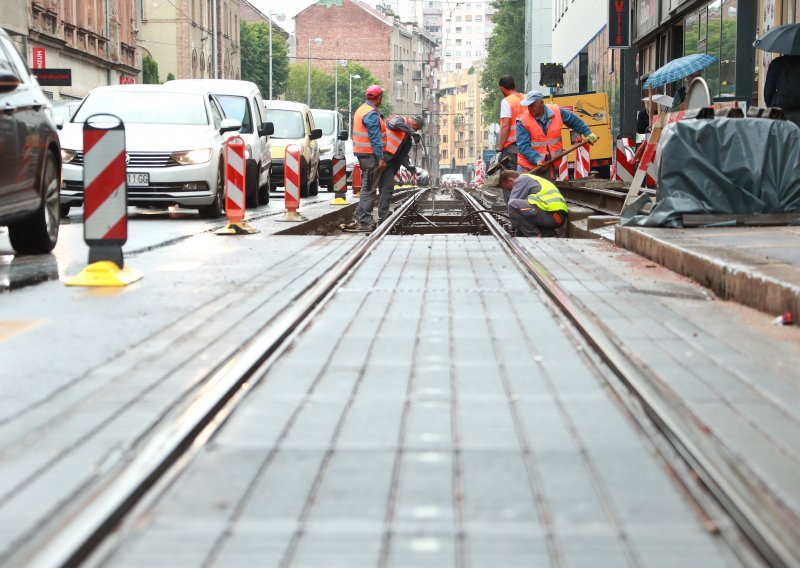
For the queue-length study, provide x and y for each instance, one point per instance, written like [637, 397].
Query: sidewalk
[755, 266]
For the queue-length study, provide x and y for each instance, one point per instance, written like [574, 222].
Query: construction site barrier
[291, 184]
[339, 179]
[356, 179]
[235, 203]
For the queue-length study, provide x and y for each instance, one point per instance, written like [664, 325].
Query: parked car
[294, 124]
[30, 157]
[64, 109]
[173, 138]
[349, 160]
[334, 135]
[242, 100]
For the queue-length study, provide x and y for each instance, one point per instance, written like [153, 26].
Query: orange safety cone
[357, 179]
[234, 189]
[291, 184]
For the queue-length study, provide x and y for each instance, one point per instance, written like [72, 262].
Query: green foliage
[503, 54]
[149, 71]
[255, 58]
[170, 77]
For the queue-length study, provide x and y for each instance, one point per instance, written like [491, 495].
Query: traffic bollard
[291, 184]
[235, 204]
[339, 177]
[357, 179]
[582, 162]
[105, 204]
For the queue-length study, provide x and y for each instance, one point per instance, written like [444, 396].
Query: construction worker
[536, 207]
[400, 133]
[369, 138]
[510, 110]
[539, 132]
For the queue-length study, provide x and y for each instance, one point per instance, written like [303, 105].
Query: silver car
[173, 138]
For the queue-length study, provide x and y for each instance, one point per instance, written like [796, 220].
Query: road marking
[11, 328]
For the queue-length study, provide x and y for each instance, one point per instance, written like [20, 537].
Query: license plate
[138, 180]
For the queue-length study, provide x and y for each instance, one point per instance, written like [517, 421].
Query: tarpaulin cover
[724, 166]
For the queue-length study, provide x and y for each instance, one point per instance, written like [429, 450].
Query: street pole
[350, 105]
[280, 17]
[336, 85]
[317, 41]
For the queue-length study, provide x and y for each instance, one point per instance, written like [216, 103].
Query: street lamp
[280, 17]
[343, 63]
[317, 41]
[350, 103]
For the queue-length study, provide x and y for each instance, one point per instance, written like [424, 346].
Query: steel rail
[79, 528]
[762, 522]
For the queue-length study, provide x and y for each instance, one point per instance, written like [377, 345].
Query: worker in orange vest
[400, 133]
[539, 132]
[369, 139]
[510, 109]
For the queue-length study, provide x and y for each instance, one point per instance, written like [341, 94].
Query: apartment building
[462, 133]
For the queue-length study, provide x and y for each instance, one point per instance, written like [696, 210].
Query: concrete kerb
[748, 285]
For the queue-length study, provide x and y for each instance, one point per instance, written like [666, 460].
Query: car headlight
[325, 149]
[67, 155]
[189, 157]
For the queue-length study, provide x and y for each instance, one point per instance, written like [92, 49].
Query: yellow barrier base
[240, 228]
[104, 273]
[339, 201]
[292, 216]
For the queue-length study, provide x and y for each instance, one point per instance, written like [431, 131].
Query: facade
[251, 14]
[462, 133]
[95, 40]
[180, 37]
[540, 28]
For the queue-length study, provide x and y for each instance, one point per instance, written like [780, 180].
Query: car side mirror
[8, 82]
[316, 134]
[229, 125]
[343, 135]
[267, 129]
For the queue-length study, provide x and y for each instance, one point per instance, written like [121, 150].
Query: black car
[30, 157]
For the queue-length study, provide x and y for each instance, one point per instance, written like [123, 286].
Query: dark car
[30, 157]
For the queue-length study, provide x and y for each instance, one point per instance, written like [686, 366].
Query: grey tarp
[724, 166]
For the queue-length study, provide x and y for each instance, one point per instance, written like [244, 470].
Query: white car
[331, 144]
[173, 140]
[242, 100]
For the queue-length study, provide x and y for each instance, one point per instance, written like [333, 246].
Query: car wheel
[38, 233]
[263, 192]
[216, 209]
[64, 209]
[251, 185]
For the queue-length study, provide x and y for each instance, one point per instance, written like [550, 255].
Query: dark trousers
[530, 221]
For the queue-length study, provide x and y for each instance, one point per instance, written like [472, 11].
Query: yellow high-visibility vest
[548, 198]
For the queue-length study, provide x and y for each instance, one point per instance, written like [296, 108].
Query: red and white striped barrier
[582, 162]
[235, 203]
[563, 168]
[291, 184]
[339, 177]
[480, 172]
[623, 160]
[105, 199]
[356, 178]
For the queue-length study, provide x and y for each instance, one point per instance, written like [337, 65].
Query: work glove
[592, 138]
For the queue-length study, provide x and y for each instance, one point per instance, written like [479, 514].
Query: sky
[290, 8]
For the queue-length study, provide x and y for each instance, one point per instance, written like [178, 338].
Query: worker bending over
[400, 132]
[539, 133]
[536, 207]
[369, 138]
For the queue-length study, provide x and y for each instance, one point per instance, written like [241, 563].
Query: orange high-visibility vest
[361, 143]
[542, 143]
[516, 109]
[394, 138]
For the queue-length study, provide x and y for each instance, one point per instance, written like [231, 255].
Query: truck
[592, 108]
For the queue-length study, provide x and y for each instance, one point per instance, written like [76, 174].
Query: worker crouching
[536, 206]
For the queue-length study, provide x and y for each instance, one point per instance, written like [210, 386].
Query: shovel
[500, 165]
[544, 165]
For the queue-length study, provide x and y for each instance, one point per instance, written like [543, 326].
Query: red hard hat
[374, 91]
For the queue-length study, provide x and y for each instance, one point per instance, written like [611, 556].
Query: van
[331, 144]
[242, 101]
[294, 124]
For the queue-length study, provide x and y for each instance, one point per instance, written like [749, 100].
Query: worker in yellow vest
[510, 109]
[539, 132]
[369, 139]
[536, 207]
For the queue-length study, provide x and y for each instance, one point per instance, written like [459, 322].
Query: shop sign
[646, 16]
[126, 80]
[39, 58]
[53, 77]
[619, 23]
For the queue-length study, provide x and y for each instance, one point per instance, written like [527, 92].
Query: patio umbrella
[679, 68]
[783, 39]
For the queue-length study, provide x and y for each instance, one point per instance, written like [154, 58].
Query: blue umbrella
[679, 68]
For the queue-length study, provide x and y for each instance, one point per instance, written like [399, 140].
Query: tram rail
[73, 535]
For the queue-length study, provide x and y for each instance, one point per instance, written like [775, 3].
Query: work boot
[354, 226]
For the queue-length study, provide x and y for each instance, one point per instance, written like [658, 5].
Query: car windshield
[237, 108]
[146, 107]
[324, 120]
[65, 110]
[288, 123]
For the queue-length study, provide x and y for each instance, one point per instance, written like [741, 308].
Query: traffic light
[552, 75]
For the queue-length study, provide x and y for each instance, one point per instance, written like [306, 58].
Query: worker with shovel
[539, 133]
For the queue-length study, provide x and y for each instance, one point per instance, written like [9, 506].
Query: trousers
[531, 221]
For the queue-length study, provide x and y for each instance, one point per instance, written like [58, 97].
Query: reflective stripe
[516, 110]
[394, 138]
[548, 198]
[550, 141]
[360, 135]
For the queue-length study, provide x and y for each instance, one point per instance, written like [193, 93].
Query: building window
[444, 138]
[479, 18]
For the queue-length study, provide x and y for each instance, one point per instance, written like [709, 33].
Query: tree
[255, 58]
[359, 86]
[170, 77]
[503, 54]
[149, 71]
[322, 86]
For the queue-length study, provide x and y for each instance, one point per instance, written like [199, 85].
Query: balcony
[416, 75]
[399, 68]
